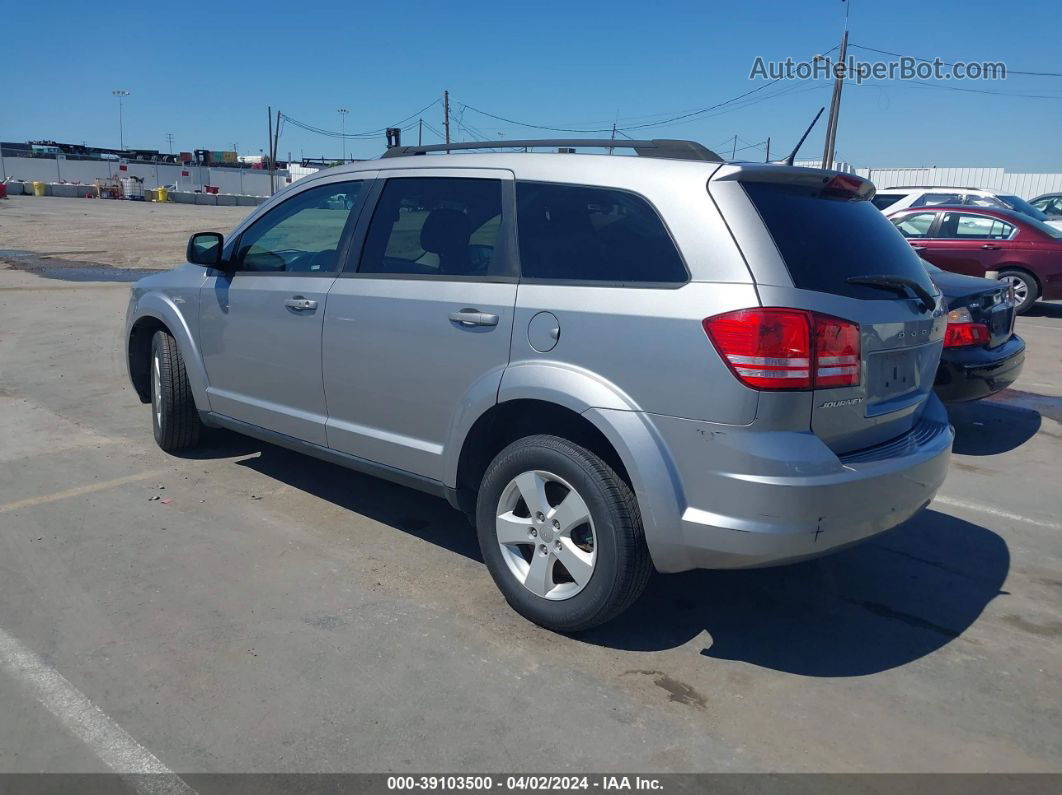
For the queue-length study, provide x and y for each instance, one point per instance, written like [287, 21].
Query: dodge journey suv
[610, 363]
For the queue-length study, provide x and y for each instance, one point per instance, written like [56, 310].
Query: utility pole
[613, 136]
[733, 152]
[272, 177]
[276, 143]
[343, 121]
[121, 93]
[420, 132]
[768, 159]
[446, 115]
[835, 102]
[169, 140]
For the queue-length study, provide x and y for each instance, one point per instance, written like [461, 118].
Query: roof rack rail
[920, 187]
[665, 148]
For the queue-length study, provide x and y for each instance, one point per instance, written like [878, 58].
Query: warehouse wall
[1027, 186]
[250, 182]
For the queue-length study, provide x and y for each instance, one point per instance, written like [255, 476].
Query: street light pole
[121, 93]
[343, 123]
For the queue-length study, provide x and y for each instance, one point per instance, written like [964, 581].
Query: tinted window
[593, 235]
[969, 226]
[824, 241]
[1049, 206]
[883, 200]
[933, 199]
[916, 225]
[1022, 206]
[302, 234]
[435, 226]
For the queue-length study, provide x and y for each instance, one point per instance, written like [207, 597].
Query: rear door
[260, 323]
[419, 324]
[826, 238]
[969, 243]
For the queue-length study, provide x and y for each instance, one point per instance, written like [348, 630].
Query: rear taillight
[962, 332]
[771, 348]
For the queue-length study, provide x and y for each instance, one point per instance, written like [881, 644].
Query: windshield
[1022, 206]
[827, 241]
[1052, 232]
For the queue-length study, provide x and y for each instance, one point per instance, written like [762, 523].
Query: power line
[646, 125]
[923, 84]
[946, 63]
[359, 135]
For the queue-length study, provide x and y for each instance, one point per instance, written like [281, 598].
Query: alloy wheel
[546, 535]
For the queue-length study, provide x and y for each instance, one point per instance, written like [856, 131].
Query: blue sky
[206, 72]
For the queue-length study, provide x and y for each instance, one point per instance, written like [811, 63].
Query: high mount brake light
[843, 185]
[770, 348]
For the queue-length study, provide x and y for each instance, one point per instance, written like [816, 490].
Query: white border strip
[1014, 517]
[107, 740]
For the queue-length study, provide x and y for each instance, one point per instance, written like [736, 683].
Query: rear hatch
[815, 242]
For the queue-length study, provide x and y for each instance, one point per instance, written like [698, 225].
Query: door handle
[917, 248]
[990, 247]
[300, 303]
[473, 317]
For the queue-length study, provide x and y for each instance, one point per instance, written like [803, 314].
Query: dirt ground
[124, 234]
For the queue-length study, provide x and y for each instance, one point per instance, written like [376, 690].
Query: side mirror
[204, 248]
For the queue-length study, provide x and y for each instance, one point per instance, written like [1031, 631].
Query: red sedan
[974, 240]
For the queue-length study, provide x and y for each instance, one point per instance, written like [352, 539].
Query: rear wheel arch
[1025, 271]
[506, 422]
[1037, 288]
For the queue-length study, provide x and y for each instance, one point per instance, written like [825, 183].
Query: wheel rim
[1021, 288]
[156, 390]
[546, 535]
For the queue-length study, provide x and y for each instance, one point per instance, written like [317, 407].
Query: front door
[420, 327]
[260, 322]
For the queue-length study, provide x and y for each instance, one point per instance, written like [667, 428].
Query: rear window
[825, 241]
[574, 233]
[883, 200]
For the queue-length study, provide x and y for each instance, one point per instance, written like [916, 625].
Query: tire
[1025, 285]
[174, 418]
[606, 553]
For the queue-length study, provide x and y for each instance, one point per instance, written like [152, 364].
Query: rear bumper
[974, 373]
[755, 498]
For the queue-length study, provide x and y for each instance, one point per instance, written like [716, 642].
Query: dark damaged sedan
[982, 354]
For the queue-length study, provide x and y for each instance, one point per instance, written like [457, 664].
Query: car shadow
[414, 512]
[991, 427]
[1045, 309]
[867, 609]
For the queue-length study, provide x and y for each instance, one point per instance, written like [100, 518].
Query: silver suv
[609, 363]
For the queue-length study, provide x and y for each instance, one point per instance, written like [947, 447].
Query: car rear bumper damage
[974, 373]
[756, 499]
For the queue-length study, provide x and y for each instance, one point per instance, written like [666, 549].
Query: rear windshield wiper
[897, 284]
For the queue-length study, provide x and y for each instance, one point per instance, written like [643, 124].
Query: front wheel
[1026, 290]
[174, 418]
[561, 534]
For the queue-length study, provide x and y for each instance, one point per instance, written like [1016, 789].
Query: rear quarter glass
[824, 241]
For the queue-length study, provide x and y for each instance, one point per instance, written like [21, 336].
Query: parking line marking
[1037, 325]
[79, 491]
[977, 507]
[111, 744]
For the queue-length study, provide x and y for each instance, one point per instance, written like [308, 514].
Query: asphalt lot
[282, 614]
